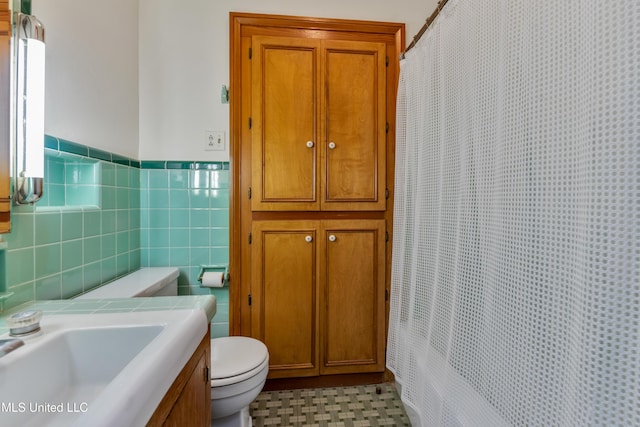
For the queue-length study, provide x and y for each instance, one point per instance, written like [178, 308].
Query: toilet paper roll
[213, 279]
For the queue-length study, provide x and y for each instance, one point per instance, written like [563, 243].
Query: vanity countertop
[115, 305]
[102, 355]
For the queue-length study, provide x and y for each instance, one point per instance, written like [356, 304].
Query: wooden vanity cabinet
[188, 401]
[5, 115]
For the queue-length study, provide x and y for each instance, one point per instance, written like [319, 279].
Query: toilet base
[239, 419]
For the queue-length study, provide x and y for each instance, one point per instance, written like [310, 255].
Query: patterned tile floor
[357, 406]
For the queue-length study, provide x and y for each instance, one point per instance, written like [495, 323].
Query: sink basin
[73, 367]
[97, 369]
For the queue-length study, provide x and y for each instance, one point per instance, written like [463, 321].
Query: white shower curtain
[516, 247]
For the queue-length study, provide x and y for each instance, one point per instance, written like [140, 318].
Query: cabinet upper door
[318, 113]
[285, 83]
[354, 119]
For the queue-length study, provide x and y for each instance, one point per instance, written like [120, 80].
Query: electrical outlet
[214, 140]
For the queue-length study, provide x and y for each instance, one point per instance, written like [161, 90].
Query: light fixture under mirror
[29, 166]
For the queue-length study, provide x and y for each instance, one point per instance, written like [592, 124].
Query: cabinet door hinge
[251, 53]
[249, 192]
[250, 122]
[386, 294]
[250, 238]
[386, 61]
[386, 236]
[249, 299]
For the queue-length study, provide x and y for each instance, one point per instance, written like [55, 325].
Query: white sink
[98, 369]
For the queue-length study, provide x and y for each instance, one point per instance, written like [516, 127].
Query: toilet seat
[236, 359]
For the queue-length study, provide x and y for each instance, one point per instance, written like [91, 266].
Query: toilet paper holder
[215, 268]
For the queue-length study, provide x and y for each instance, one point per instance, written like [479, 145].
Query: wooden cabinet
[319, 126]
[188, 401]
[5, 115]
[318, 295]
[312, 147]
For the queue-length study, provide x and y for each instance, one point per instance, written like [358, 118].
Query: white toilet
[239, 365]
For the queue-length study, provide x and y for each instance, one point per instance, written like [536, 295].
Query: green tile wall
[70, 180]
[57, 252]
[151, 213]
[185, 224]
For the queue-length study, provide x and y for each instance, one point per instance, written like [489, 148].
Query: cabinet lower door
[284, 310]
[352, 282]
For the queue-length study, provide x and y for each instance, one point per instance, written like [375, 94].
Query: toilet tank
[146, 282]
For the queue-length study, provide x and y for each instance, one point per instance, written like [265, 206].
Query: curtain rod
[426, 25]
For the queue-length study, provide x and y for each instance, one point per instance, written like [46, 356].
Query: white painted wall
[184, 61]
[92, 72]
[143, 78]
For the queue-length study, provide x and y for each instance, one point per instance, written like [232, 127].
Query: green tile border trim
[94, 153]
[73, 148]
[152, 165]
[25, 7]
[177, 165]
[171, 164]
[51, 142]
[70, 147]
[121, 160]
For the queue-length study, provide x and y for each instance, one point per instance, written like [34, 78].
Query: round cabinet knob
[308, 239]
[310, 144]
[332, 145]
[332, 238]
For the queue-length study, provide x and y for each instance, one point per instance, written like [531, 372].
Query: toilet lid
[233, 356]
